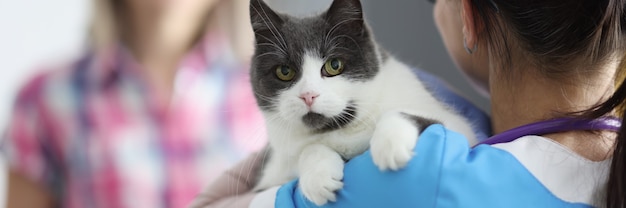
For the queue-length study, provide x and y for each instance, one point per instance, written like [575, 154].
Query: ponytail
[615, 190]
[616, 186]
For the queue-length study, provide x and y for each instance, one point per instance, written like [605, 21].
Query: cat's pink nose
[309, 98]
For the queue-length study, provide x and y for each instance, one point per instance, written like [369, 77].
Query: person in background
[155, 109]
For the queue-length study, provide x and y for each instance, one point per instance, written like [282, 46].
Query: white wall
[299, 7]
[34, 33]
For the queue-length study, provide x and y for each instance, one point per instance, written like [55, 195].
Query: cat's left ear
[346, 14]
[262, 16]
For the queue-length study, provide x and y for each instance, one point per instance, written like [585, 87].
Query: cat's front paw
[393, 141]
[320, 186]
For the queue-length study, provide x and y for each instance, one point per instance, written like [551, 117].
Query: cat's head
[307, 71]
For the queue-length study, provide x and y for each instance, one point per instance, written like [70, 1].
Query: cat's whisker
[269, 53]
[379, 103]
[270, 100]
[357, 120]
[366, 117]
[350, 38]
[290, 126]
[273, 28]
[256, 137]
[270, 105]
[332, 30]
[262, 156]
[264, 97]
[336, 46]
[249, 171]
[285, 133]
[334, 120]
[266, 106]
[370, 121]
[272, 43]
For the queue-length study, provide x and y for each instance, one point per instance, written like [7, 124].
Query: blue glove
[444, 172]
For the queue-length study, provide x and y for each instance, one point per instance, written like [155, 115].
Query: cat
[328, 92]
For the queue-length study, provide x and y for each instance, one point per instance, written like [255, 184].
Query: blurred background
[33, 34]
[36, 33]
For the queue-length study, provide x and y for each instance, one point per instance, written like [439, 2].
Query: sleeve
[445, 172]
[26, 146]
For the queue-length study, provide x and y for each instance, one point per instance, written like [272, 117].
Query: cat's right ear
[263, 17]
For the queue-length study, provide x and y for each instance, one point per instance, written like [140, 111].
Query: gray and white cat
[328, 92]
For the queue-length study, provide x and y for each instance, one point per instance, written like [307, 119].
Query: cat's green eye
[285, 73]
[333, 67]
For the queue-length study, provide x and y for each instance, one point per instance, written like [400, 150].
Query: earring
[469, 51]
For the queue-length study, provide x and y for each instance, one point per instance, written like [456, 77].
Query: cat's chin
[320, 123]
[314, 120]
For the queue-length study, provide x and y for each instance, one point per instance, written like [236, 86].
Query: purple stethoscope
[555, 126]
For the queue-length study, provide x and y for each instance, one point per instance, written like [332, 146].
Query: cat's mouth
[321, 123]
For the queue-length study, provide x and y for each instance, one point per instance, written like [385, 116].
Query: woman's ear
[470, 31]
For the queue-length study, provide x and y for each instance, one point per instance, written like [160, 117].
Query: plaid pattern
[94, 134]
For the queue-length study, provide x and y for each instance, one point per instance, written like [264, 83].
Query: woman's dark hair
[581, 33]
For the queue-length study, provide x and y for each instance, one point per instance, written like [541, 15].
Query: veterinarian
[153, 111]
[550, 68]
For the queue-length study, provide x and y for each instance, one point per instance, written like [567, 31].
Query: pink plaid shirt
[93, 134]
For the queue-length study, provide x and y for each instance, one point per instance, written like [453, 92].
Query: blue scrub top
[443, 173]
